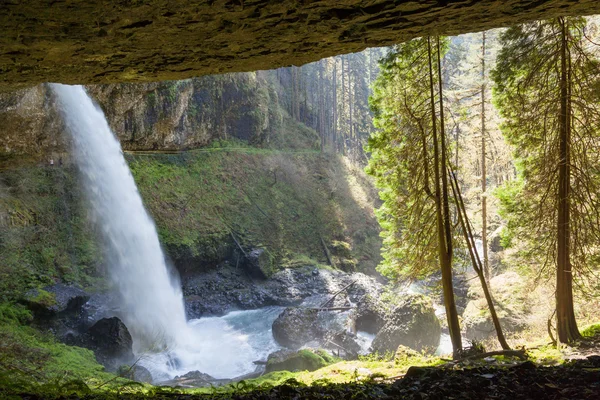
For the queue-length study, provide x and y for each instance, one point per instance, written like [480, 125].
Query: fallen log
[336, 294]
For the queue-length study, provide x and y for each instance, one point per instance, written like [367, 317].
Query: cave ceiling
[102, 41]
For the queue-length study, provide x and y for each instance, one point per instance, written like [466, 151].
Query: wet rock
[141, 374]
[259, 264]
[227, 288]
[136, 373]
[195, 379]
[370, 315]
[110, 341]
[412, 323]
[302, 360]
[55, 300]
[297, 326]
[344, 343]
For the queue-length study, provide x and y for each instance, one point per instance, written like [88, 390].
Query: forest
[414, 221]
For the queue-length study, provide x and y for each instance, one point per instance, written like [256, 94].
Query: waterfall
[150, 296]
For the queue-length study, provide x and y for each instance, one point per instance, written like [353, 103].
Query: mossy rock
[301, 360]
[341, 249]
[55, 299]
[411, 323]
[259, 264]
[347, 264]
[296, 326]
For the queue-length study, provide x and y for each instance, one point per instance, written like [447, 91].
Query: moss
[265, 198]
[44, 298]
[546, 355]
[46, 235]
[591, 331]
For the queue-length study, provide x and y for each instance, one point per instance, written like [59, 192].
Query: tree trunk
[484, 244]
[477, 265]
[335, 106]
[321, 108]
[343, 130]
[566, 323]
[440, 205]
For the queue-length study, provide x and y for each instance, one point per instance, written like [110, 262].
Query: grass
[33, 362]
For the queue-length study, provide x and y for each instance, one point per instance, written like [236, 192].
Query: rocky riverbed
[248, 318]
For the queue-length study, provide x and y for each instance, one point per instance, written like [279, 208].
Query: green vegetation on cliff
[282, 201]
[45, 234]
[289, 203]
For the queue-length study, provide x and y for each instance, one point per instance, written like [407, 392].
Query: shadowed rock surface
[110, 341]
[97, 41]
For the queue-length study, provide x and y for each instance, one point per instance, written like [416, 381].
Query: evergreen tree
[409, 158]
[546, 87]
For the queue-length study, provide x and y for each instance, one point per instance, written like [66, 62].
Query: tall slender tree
[545, 84]
[409, 154]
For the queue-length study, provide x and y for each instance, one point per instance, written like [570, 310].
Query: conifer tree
[546, 81]
[409, 157]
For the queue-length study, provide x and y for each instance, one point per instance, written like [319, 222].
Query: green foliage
[281, 201]
[527, 92]
[36, 363]
[401, 160]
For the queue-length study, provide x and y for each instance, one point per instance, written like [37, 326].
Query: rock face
[96, 41]
[151, 116]
[411, 323]
[110, 341]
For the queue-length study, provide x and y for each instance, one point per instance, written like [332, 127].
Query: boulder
[343, 342]
[370, 315]
[56, 300]
[136, 373]
[141, 374]
[495, 240]
[194, 379]
[301, 360]
[110, 341]
[511, 302]
[259, 264]
[411, 323]
[297, 326]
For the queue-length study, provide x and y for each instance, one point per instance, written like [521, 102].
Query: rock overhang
[95, 41]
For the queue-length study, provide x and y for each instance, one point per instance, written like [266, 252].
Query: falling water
[151, 298]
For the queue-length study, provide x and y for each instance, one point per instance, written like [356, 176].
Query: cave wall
[95, 41]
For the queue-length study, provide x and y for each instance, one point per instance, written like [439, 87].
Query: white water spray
[151, 297]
